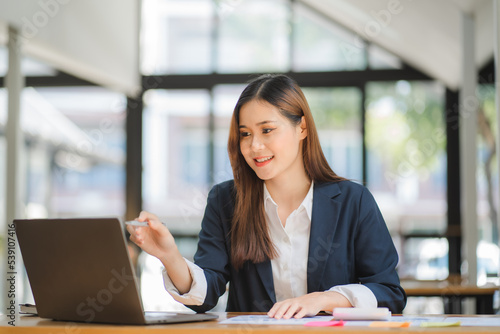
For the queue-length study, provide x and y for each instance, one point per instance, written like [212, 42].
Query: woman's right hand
[154, 239]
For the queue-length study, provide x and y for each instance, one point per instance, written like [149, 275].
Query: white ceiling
[92, 39]
[426, 34]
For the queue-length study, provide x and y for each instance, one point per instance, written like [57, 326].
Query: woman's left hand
[308, 305]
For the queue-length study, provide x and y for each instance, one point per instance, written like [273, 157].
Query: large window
[321, 45]
[251, 40]
[406, 138]
[337, 115]
[488, 253]
[86, 162]
[225, 97]
[185, 24]
[176, 154]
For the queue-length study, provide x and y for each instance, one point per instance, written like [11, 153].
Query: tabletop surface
[34, 325]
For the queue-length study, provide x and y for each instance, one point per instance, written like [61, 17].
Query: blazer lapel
[325, 214]
[266, 275]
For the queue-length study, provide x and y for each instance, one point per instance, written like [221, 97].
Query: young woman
[290, 236]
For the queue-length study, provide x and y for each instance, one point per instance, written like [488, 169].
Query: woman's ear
[303, 128]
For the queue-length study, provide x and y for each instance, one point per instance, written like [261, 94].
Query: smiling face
[270, 143]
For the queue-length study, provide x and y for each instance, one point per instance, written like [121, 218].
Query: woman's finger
[146, 216]
[156, 225]
[302, 313]
[282, 309]
[130, 229]
[292, 309]
[272, 311]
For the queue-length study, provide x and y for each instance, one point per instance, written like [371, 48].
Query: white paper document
[265, 320]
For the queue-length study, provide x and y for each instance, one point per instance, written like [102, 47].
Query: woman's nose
[257, 143]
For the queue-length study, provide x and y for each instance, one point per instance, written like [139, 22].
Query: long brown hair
[250, 238]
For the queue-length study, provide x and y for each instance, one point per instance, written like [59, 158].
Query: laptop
[80, 270]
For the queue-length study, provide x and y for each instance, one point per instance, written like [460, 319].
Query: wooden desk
[453, 295]
[35, 325]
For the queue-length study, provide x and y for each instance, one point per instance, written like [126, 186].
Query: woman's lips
[262, 161]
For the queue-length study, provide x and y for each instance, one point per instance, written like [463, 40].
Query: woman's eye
[244, 134]
[267, 130]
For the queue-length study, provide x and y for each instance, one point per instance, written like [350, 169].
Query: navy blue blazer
[349, 243]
